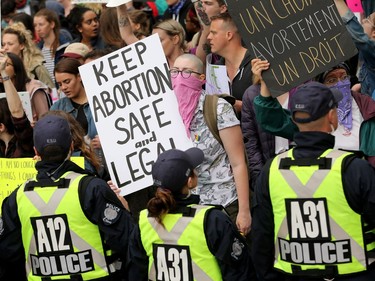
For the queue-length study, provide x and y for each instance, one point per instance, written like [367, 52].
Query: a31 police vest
[59, 241]
[316, 231]
[179, 250]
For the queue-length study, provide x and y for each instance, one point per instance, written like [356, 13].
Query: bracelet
[5, 78]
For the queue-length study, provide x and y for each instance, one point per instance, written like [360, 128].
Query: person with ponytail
[175, 234]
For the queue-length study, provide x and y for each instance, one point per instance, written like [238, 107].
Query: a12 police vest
[59, 241]
[178, 251]
[316, 231]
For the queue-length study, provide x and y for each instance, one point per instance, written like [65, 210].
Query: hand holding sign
[258, 66]
[135, 110]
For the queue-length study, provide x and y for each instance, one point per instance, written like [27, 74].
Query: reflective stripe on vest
[58, 239]
[314, 225]
[179, 251]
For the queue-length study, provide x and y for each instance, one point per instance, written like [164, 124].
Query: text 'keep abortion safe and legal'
[135, 110]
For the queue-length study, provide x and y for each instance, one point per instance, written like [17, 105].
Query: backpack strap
[210, 116]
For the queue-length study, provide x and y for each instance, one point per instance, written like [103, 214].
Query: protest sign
[111, 3]
[300, 38]
[135, 110]
[88, 1]
[216, 78]
[26, 103]
[15, 171]
[115, 3]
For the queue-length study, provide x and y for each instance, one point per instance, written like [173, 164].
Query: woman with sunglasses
[364, 39]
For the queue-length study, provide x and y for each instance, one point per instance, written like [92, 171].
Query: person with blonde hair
[171, 34]
[172, 37]
[16, 39]
[140, 23]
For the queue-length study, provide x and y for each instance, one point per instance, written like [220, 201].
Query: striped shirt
[49, 62]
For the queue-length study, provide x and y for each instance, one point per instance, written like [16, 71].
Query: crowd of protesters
[283, 191]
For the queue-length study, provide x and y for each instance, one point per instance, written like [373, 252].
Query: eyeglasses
[369, 21]
[185, 73]
[333, 80]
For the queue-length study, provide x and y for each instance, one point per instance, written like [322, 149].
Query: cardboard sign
[15, 171]
[216, 78]
[300, 39]
[135, 110]
[26, 103]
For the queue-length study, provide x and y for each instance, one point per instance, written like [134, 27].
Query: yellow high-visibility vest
[58, 239]
[315, 228]
[179, 251]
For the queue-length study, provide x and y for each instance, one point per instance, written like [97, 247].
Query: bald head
[189, 61]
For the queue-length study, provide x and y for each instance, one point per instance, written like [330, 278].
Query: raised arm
[124, 24]
[269, 113]
[205, 25]
[14, 101]
[341, 7]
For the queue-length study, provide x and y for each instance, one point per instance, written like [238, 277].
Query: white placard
[26, 103]
[115, 3]
[111, 3]
[88, 1]
[217, 81]
[135, 110]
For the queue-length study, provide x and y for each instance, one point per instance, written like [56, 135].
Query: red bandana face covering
[187, 92]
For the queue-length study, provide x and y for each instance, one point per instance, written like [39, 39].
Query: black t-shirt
[81, 116]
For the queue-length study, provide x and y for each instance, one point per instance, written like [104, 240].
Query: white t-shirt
[215, 181]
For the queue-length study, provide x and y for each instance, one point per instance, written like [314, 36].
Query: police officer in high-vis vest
[180, 240]
[314, 207]
[63, 224]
